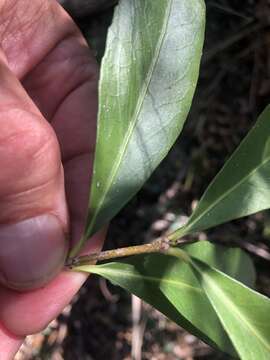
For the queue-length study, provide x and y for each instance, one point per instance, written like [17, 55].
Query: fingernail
[32, 252]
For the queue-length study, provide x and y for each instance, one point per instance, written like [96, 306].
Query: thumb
[33, 211]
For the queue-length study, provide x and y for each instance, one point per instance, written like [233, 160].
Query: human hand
[48, 106]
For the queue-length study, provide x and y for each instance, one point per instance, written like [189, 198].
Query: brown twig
[160, 245]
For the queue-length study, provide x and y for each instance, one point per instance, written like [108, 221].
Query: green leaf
[242, 187]
[148, 77]
[169, 284]
[244, 313]
[232, 261]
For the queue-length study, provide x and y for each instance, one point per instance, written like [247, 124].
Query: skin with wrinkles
[48, 106]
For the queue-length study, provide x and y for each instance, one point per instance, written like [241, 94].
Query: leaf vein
[227, 301]
[137, 110]
[225, 194]
[148, 278]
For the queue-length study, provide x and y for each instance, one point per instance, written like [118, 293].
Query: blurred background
[103, 322]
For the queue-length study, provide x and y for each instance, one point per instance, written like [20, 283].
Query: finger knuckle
[27, 145]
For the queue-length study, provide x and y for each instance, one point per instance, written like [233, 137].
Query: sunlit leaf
[242, 187]
[244, 313]
[170, 285]
[148, 77]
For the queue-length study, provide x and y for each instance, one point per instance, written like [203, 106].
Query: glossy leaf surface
[244, 313]
[148, 77]
[170, 285]
[242, 187]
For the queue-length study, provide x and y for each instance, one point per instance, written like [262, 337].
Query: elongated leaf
[242, 187]
[244, 313]
[148, 77]
[170, 285]
[232, 261]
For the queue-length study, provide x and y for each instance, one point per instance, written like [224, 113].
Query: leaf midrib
[125, 274]
[137, 110]
[230, 305]
[225, 194]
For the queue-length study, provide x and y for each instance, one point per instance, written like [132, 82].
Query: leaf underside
[148, 77]
[170, 285]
